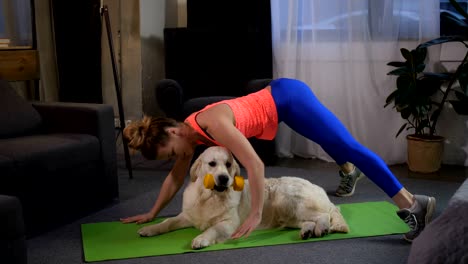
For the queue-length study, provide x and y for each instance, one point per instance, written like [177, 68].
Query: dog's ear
[196, 166]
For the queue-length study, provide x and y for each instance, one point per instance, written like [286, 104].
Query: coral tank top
[255, 116]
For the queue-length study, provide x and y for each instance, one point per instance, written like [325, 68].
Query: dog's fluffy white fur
[289, 202]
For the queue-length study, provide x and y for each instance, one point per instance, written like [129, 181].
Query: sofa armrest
[444, 239]
[461, 195]
[170, 98]
[83, 118]
[13, 247]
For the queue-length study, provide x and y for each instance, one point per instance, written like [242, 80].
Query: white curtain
[340, 48]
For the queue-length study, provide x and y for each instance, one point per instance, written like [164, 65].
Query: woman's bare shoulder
[218, 114]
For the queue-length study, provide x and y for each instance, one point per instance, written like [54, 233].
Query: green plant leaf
[460, 107]
[405, 113]
[429, 85]
[404, 97]
[419, 56]
[420, 67]
[452, 21]
[463, 78]
[445, 76]
[459, 9]
[403, 82]
[397, 63]
[406, 54]
[435, 114]
[400, 71]
[391, 98]
[461, 96]
[422, 125]
[441, 40]
[401, 129]
[416, 112]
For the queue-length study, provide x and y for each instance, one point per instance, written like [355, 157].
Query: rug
[114, 240]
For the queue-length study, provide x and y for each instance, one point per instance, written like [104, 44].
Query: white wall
[152, 23]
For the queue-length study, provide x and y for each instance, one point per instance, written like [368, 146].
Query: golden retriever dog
[219, 210]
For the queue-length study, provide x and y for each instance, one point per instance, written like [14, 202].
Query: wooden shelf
[16, 48]
[19, 65]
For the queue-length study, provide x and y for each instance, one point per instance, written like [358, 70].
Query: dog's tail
[337, 222]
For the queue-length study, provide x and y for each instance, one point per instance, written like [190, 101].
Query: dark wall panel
[77, 30]
[225, 44]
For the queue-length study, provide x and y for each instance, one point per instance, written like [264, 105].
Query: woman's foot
[348, 182]
[418, 215]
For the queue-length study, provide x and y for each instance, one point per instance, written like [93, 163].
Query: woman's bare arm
[173, 182]
[224, 131]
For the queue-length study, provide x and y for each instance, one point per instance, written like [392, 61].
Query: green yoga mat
[114, 240]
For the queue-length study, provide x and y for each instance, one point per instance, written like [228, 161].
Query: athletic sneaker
[418, 216]
[348, 182]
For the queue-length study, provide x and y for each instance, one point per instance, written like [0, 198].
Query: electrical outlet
[127, 122]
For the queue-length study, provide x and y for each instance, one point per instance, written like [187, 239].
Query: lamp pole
[105, 14]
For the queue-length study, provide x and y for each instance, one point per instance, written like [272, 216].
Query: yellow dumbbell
[237, 185]
[209, 182]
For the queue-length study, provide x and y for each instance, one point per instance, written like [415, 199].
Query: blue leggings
[298, 108]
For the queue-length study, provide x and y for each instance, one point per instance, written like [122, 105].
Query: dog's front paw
[307, 230]
[200, 242]
[321, 229]
[148, 231]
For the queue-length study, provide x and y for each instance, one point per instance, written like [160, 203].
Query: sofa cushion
[6, 163]
[445, 239]
[17, 115]
[7, 166]
[461, 195]
[52, 151]
[11, 218]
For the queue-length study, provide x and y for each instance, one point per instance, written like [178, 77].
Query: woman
[229, 123]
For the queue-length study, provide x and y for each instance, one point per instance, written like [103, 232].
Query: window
[15, 24]
[337, 20]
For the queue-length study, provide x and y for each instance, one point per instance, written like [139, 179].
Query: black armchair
[59, 159]
[13, 248]
[179, 102]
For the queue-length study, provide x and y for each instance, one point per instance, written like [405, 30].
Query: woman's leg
[298, 107]
[304, 113]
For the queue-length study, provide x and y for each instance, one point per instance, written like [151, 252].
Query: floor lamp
[105, 15]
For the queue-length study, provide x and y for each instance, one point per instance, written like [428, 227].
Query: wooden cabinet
[19, 65]
[19, 60]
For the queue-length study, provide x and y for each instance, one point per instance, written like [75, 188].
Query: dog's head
[218, 162]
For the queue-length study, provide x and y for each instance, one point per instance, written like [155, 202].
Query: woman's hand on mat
[139, 219]
[248, 226]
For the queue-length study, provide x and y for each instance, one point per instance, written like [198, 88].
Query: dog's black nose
[223, 180]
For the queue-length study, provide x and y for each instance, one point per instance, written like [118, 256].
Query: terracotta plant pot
[425, 154]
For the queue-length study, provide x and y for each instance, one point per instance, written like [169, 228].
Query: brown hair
[147, 134]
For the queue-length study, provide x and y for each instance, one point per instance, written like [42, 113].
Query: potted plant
[417, 90]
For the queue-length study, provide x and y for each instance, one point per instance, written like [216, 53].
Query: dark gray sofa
[13, 247]
[445, 239]
[58, 159]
